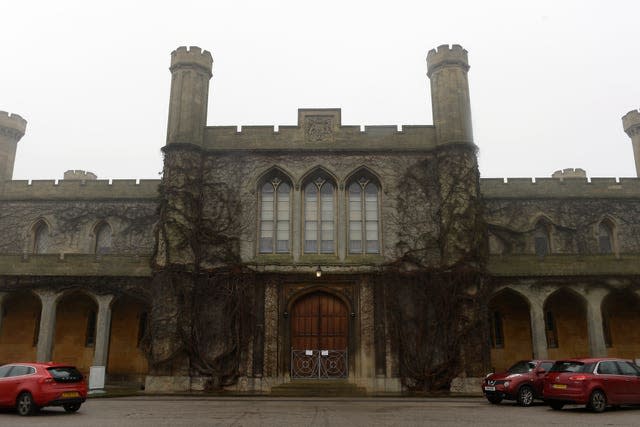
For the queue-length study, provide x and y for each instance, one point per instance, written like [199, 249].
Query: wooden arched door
[319, 336]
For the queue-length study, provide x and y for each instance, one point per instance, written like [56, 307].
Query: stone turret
[12, 128]
[190, 74]
[447, 69]
[631, 125]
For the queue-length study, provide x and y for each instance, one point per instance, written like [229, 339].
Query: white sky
[549, 80]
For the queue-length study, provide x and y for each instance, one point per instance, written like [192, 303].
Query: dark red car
[522, 382]
[596, 383]
[30, 386]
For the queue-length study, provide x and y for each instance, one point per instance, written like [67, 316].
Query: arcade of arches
[561, 322]
[77, 328]
[85, 329]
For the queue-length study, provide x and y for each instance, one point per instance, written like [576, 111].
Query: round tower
[190, 74]
[447, 69]
[631, 125]
[12, 128]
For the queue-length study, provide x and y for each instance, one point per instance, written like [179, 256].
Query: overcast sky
[549, 80]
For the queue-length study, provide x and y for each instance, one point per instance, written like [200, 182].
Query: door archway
[319, 336]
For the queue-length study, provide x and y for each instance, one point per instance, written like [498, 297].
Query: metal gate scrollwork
[319, 364]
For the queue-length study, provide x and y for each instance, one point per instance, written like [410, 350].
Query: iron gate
[319, 364]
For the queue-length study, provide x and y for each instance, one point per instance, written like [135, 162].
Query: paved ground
[203, 411]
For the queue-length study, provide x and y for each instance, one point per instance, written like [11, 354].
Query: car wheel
[525, 396]
[556, 405]
[495, 399]
[71, 407]
[25, 404]
[597, 401]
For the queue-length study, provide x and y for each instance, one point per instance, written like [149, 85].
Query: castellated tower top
[631, 123]
[445, 55]
[12, 125]
[190, 57]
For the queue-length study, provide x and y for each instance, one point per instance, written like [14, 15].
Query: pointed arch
[103, 234]
[606, 233]
[363, 204]
[542, 236]
[565, 315]
[40, 237]
[319, 211]
[274, 230]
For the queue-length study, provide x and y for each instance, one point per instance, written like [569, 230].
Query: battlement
[72, 189]
[527, 188]
[444, 55]
[12, 124]
[631, 122]
[192, 56]
[80, 175]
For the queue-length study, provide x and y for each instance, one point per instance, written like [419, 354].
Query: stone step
[318, 388]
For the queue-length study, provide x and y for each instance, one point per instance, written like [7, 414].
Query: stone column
[538, 334]
[101, 350]
[49, 301]
[597, 345]
[296, 221]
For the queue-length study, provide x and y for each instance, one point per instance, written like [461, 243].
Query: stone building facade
[320, 250]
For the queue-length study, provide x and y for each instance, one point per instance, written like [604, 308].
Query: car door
[631, 376]
[612, 382]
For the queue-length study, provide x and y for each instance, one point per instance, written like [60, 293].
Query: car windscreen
[522, 367]
[571, 366]
[65, 374]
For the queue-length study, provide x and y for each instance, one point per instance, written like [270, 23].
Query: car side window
[546, 366]
[627, 368]
[4, 370]
[19, 370]
[608, 368]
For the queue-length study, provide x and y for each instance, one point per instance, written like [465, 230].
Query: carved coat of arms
[318, 128]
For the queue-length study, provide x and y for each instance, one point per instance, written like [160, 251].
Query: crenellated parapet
[631, 125]
[549, 188]
[12, 126]
[74, 189]
[192, 56]
[12, 129]
[447, 56]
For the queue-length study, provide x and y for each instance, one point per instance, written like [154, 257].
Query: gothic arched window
[41, 238]
[541, 238]
[319, 213]
[103, 239]
[605, 237]
[363, 217]
[275, 207]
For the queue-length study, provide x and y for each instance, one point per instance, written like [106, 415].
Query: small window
[4, 370]
[497, 334]
[550, 329]
[606, 329]
[19, 370]
[36, 330]
[546, 366]
[40, 238]
[605, 237]
[90, 337]
[627, 368]
[103, 239]
[541, 236]
[142, 327]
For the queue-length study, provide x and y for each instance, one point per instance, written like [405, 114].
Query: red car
[522, 382]
[592, 382]
[30, 386]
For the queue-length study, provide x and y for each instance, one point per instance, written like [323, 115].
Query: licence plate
[489, 388]
[68, 394]
[562, 386]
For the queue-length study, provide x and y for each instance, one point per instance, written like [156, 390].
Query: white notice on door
[324, 352]
[308, 352]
